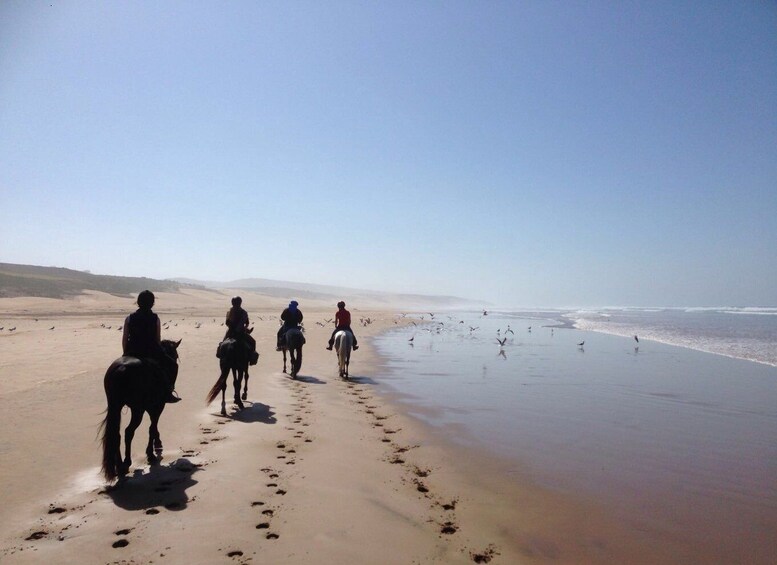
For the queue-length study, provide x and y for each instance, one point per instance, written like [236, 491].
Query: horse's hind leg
[284, 361]
[129, 433]
[154, 447]
[237, 376]
[245, 386]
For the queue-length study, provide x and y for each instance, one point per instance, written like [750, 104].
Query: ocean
[674, 432]
[741, 333]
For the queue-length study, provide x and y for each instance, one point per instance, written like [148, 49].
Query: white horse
[343, 344]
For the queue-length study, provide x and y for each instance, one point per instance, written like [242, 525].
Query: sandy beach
[316, 469]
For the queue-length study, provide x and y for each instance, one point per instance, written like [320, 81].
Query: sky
[526, 154]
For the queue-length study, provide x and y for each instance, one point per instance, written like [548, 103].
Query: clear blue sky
[524, 153]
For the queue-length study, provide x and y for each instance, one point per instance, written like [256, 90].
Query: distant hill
[55, 282]
[308, 291]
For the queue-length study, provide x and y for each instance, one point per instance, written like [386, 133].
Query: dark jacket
[142, 339]
[291, 319]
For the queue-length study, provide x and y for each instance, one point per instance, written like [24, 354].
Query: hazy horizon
[518, 153]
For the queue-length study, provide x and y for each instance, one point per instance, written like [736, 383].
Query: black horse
[132, 382]
[292, 342]
[234, 355]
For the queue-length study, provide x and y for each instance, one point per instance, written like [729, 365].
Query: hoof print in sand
[485, 556]
[257, 503]
[36, 535]
[448, 528]
[120, 543]
[56, 509]
[272, 536]
[152, 511]
[236, 553]
[263, 526]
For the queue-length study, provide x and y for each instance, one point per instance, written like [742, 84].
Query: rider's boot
[254, 359]
[329, 347]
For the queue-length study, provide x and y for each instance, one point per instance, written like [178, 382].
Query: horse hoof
[245, 396]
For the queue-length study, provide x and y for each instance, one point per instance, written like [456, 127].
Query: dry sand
[314, 470]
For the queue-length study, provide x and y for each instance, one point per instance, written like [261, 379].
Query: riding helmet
[146, 300]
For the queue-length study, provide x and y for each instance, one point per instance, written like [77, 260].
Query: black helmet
[236, 301]
[341, 304]
[146, 300]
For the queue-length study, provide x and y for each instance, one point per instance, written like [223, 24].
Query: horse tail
[111, 425]
[221, 383]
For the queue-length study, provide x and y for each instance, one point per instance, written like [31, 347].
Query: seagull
[501, 342]
[509, 330]
[581, 344]
[529, 329]
[320, 324]
[636, 339]
[411, 339]
[473, 329]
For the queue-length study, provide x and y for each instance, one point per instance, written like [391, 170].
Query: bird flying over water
[501, 342]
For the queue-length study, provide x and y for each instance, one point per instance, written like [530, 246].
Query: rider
[292, 318]
[142, 339]
[237, 327]
[342, 322]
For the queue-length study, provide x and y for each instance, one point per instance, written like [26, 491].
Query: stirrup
[355, 347]
[172, 398]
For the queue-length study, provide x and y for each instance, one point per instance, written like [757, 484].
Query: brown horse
[234, 355]
[143, 387]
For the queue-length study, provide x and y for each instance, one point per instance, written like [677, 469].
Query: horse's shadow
[161, 485]
[309, 380]
[254, 412]
[361, 380]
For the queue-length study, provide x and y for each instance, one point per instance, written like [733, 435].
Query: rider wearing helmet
[237, 327]
[142, 338]
[292, 318]
[342, 322]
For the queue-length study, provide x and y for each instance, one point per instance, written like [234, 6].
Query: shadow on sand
[255, 412]
[361, 380]
[161, 485]
[309, 380]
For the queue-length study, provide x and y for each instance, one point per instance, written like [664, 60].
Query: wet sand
[675, 443]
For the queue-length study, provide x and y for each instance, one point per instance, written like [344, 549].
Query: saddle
[253, 357]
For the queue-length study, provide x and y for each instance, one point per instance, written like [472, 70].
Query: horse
[343, 344]
[132, 382]
[234, 355]
[292, 342]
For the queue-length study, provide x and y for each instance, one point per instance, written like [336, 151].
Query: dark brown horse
[136, 383]
[292, 342]
[234, 355]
